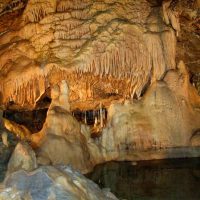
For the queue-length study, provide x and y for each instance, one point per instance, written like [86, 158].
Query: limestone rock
[195, 138]
[58, 150]
[4, 137]
[62, 141]
[51, 183]
[20, 131]
[86, 43]
[158, 126]
[23, 157]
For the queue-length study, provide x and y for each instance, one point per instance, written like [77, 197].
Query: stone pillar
[60, 96]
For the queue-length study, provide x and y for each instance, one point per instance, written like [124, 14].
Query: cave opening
[32, 120]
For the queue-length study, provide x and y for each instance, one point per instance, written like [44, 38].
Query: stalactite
[93, 43]
[38, 9]
[169, 45]
[101, 115]
[157, 58]
[64, 5]
[85, 119]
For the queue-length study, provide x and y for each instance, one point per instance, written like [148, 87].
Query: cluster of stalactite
[38, 9]
[65, 5]
[133, 60]
[91, 117]
[84, 41]
[26, 91]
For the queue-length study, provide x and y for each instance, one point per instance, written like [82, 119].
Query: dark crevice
[33, 120]
[45, 100]
[88, 117]
[96, 119]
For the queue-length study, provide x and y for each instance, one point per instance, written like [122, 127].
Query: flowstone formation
[104, 49]
[116, 60]
[164, 124]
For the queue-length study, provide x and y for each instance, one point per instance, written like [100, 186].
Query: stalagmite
[95, 122]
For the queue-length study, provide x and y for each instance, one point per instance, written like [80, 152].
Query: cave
[99, 91]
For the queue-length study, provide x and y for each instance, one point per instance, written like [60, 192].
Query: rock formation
[99, 47]
[61, 141]
[123, 56]
[23, 157]
[24, 180]
[164, 124]
[52, 183]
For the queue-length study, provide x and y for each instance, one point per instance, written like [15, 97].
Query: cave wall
[127, 56]
[99, 47]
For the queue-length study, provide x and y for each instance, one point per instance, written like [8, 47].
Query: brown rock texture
[164, 124]
[100, 47]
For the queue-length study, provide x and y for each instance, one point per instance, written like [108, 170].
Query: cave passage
[33, 120]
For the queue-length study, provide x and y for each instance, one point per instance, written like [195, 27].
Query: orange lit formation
[117, 55]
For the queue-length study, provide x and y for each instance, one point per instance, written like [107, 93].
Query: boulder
[23, 157]
[48, 182]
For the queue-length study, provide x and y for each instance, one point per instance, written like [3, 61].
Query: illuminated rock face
[23, 157]
[100, 47]
[89, 53]
[164, 124]
[61, 140]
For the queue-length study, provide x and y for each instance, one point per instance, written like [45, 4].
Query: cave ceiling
[107, 50]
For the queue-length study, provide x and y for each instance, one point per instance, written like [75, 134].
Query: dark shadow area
[155, 2]
[33, 120]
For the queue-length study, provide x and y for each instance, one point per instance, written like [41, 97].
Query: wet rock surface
[45, 183]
